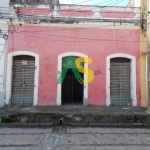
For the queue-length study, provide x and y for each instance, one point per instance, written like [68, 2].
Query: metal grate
[23, 80]
[72, 90]
[120, 81]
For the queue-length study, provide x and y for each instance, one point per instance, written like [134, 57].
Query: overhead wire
[37, 32]
[81, 24]
[79, 39]
[89, 5]
[71, 37]
[112, 3]
[24, 11]
[66, 29]
[12, 24]
[102, 7]
[29, 15]
[108, 12]
[61, 19]
[70, 29]
[71, 4]
[96, 5]
[7, 38]
[138, 1]
[83, 2]
[38, 9]
[32, 32]
[82, 6]
[106, 40]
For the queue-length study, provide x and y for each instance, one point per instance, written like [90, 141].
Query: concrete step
[75, 116]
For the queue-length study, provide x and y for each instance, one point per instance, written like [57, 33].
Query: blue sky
[96, 2]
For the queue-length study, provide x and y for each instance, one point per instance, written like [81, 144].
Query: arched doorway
[72, 89]
[23, 80]
[59, 86]
[130, 61]
[120, 81]
[22, 59]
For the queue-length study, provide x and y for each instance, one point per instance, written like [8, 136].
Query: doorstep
[74, 115]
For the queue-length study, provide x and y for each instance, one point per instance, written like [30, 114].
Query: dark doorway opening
[72, 89]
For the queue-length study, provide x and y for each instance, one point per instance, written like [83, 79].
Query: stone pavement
[75, 115]
[74, 138]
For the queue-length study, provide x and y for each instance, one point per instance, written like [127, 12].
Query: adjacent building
[135, 3]
[143, 48]
[4, 9]
[148, 55]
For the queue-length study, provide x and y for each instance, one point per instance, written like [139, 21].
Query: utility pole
[148, 58]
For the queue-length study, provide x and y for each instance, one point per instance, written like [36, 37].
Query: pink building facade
[113, 48]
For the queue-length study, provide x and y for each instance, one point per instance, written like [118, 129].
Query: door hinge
[35, 67]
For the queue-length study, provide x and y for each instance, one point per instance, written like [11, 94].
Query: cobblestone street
[74, 138]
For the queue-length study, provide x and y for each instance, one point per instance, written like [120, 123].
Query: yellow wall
[143, 57]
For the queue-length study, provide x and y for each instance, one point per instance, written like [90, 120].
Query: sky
[96, 2]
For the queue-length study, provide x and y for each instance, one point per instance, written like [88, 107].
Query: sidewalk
[75, 115]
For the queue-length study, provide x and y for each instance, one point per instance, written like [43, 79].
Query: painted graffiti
[97, 72]
[77, 69]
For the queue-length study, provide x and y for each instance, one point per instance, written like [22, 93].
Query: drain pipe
[61, 120]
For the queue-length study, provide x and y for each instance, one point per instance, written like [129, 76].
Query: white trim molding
[9, 75]
[3, 54]
[132, 77]
[60, 57]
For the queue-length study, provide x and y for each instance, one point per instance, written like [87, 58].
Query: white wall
[4, 5]
[137, 3]
[2, 67]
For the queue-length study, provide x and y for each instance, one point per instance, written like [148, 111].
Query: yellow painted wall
[143, 57]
